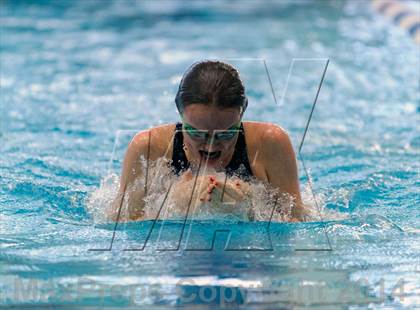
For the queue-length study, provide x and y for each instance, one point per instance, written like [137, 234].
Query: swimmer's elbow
[123, 210]
[299, 213]
[114, 210]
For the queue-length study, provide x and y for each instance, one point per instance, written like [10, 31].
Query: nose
[210, 146]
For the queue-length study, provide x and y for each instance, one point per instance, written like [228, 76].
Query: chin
[213, 164]
[216, 164]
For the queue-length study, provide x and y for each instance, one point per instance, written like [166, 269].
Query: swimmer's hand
[213, 189]
[227, 190]
[182, 190]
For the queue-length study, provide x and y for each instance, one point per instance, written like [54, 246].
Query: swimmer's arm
[281, 167]
[131, 172]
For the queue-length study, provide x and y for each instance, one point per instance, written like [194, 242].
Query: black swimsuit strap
[179, 159]
[239, 164]
[239, 158]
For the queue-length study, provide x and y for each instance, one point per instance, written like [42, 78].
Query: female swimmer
[212, 137]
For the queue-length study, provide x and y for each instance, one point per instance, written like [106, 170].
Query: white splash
[167, 199]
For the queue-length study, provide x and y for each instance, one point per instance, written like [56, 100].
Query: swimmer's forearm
[298, 212]
[114, 211]
[128, 205]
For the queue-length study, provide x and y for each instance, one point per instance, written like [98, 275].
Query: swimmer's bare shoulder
[152, 143]
[158, 139]
[257, 140]
[272, 156]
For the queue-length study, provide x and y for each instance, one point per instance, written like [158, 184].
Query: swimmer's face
[212, 120]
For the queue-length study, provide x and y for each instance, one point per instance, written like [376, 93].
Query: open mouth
[210, 155]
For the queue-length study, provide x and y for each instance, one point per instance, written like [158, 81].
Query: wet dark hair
[211, 82]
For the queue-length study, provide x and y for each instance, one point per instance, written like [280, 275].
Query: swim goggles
[198, 134]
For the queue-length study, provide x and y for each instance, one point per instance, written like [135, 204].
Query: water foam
[165, 200]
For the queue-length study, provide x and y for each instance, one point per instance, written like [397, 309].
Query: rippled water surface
[79, 78]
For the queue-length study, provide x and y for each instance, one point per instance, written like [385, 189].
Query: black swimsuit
[238, 165]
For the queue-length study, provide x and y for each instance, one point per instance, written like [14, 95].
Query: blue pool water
[79, 78]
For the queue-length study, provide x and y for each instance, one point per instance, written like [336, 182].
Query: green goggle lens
[204, 135]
